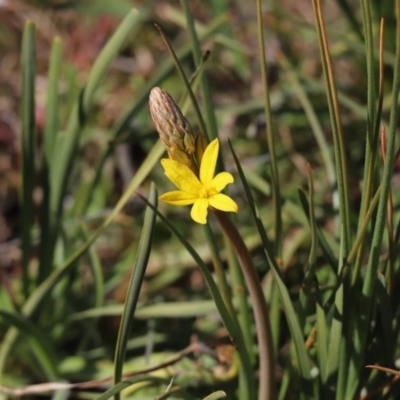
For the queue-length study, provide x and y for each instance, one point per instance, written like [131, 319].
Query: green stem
[263, 328]
[28, 139]
[373, 126]
[240, 294]
[339, 147]
[219, 270]
[276, 191]
[212, 129]
[369, 284]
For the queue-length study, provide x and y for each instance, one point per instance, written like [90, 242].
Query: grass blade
[276, 192]
[339, 148]
[336, 335]
[142, 258]
[374, 121]
[66, 146]
[40, 346]
[185, 81]
[368, 290]
[212, 129]
[28, 147]
[313, 120]
[52, 106]
[49, 138]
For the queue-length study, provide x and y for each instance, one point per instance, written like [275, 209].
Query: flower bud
[174, 129]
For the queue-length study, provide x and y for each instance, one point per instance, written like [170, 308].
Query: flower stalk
[261, 317]
[191, 168]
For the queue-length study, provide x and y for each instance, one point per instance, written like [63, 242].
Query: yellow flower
[203, 192]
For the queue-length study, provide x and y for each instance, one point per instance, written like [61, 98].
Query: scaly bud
[174, 129]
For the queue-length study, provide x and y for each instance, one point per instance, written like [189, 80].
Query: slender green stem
[49, 139]
[312, 117]
[266, 354]
[240, 293]
[313, 226]
[276, 193]
[212, 128]
[184, 79]
[219, 270]
[368, 290]
[339, 149]
[373, 125]
[369, 282]
[28, 58]
[363, 229]
[135, 284]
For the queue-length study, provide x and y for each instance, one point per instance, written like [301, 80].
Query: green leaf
[65, 149]
[42, 348]
[28, 147]
[142, 258]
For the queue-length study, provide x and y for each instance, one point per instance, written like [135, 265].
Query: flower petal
[178, 198]
[208, 162]
[181, 176]
[199, 211]
[221, 180]
[223, 202]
